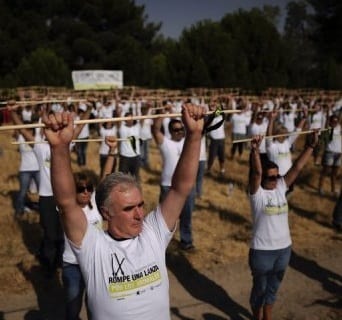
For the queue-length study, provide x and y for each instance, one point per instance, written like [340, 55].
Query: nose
[138, 213]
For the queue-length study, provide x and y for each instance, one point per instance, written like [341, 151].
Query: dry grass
[221, 222]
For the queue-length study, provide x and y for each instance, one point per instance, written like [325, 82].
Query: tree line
[41, 42]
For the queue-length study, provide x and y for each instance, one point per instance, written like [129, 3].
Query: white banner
[97, 79]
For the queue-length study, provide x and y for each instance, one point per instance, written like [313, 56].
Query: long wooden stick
[102, 120]
[280, 135]
[74, 140]
[31, 102]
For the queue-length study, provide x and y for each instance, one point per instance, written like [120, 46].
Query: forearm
[109, 164]
[186, 170]
[62, 177]
[299, 164]
[270, 127]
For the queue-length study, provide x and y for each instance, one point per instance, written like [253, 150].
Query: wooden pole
[280, 135]
[102, 120]
[32, 102]
[74, 140]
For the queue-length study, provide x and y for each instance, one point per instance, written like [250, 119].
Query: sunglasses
[88, 188]
[272, 178]
[177, 129]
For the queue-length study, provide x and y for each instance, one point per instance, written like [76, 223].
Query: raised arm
[186, 170]
[27, 134]
[111, 142]
[59, 131]
[300, 162]
[255, 174]
[156, 131]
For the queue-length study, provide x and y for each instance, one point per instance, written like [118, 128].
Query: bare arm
[156, 131]
[186, 170]
[110, 161]
[255, 163]
[27, 134]
[298, 165]
[59, 133]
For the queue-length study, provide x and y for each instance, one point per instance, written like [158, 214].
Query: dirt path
[310, 291]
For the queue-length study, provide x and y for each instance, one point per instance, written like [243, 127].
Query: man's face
[177, 132]
[270, 179]
[126, 212]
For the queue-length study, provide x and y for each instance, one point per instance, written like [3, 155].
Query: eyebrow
[129, 208]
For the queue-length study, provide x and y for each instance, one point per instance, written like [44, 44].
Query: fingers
[57, 121]
[195, 112]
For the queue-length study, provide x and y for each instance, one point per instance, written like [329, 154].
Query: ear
[105, 213]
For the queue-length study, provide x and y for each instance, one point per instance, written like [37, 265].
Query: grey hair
[125, 181]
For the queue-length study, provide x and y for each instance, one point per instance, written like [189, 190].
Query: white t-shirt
[270, 218]
[203, 150]
[317, 120]
[240, 122]
[145, 130]
[28, 159]
[259, 129]
[170, 151]
[42, 151]
[127, 279]
[218, 133]
[106, 111]
[126, 148]
[335, 145]
[104, 149]
[280, 153]
[85, 130]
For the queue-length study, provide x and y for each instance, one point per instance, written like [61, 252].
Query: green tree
[43, 67]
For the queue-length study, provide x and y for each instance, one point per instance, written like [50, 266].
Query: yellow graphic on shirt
[134, 284]
[276, 210]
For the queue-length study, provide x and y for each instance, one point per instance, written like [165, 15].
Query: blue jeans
[24, 181]
[268, 269]
[337, 213]
[185, 228]
[144, 152]
[73, 284]
[81, 150]
[199, 178]
[52, 245]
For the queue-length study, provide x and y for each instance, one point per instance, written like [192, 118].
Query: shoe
[187, 246]
[27, 209]
[337, 226]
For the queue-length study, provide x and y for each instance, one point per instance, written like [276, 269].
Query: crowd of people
[99, 234]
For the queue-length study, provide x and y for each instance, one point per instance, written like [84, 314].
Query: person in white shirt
[81, 147]
[129, 148]
[124, 268]
[73, 282]
[52, 242]
[331, 159]
[258, 126]
[240, 122]
[28, 171]
[279, 148]
[270, 247]
[145, 136]
[317, 120]
[171, 150]
[217, 139]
